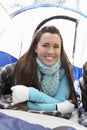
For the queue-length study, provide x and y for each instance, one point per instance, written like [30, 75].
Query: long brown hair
[25, 72]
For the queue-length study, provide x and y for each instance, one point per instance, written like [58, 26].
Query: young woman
[43, 76]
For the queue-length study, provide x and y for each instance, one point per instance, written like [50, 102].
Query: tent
[15, 39]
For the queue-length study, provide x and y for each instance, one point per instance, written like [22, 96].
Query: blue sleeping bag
[12, 123]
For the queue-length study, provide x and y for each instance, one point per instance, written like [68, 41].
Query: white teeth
[49, 58]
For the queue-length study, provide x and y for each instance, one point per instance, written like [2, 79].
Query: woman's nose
[51, 50]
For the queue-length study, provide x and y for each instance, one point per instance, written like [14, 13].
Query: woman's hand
[20, 93]
[65, 107]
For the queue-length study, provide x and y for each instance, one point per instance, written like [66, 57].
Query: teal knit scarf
[50, 79]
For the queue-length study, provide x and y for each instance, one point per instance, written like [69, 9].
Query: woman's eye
[45, 45]
[56, 47]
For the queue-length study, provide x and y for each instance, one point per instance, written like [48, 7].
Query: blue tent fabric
[6, 58]
[13, 123]
[77, 72]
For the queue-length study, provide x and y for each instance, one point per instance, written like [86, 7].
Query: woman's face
[49, 48]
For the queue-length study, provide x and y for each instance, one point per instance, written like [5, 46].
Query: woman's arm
[37, 96]
[21, 93]
[62, 94]
[41, 106]
[37, 100]
[40, 97]
[64, 107]
[62, 104]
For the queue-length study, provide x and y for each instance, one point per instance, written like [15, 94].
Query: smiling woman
[50, 88]
[48, 49]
